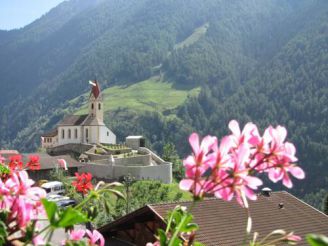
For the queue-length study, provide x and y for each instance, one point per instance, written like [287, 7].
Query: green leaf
[317, 240]
[162, 237]
[3, 233]
[190, 227]
[107, 207]
[198, 244]
[71, 217]
[51, 209]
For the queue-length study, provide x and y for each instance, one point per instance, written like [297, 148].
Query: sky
[19, 13]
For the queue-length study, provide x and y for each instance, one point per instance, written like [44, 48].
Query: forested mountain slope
[261, 61]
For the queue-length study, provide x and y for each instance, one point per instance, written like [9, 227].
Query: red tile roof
[51, 162]
[224, 223]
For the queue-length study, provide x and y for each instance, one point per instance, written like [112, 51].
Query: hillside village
[87, 138]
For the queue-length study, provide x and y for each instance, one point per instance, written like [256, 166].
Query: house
[82, 129]
[221, 222]
[49, 163]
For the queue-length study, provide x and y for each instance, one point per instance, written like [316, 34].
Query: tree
[170, 154]
[325, 205]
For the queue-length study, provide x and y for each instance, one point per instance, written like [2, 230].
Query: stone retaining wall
[68, 149]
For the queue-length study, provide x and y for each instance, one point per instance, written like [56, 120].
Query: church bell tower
[95, 102]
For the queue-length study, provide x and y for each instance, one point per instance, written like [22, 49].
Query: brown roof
[73, 120]
[92, 121]
[9, 152]
[51, 133]
[50, 162]
[224, 223]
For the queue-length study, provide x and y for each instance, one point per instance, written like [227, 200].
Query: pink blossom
[95, 237]
[38, 240]
[76, 235]
[157, 243]
[227, 170]
[2, 159]
[293, 238]
[198, 163]
[236, 180]
[249, 135]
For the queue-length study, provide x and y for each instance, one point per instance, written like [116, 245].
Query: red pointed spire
[96, 89]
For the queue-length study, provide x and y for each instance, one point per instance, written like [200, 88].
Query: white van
[54, 187]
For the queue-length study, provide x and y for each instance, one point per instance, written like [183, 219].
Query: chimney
[266, 192]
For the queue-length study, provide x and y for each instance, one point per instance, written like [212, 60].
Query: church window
[69, 133]
[50, 140]
[86, 133]
[107, 134]
[99, 106]
[75, 133]
[91, 105]
[63, 133]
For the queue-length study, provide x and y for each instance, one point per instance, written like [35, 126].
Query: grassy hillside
[147, 95]
[194, 37]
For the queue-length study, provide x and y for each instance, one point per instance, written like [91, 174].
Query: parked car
[66, 203]
[54, 187]
[61, 201]
[55, 197]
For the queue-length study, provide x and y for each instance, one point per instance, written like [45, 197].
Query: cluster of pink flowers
[21, 201]
[227, 169]
[93, 238]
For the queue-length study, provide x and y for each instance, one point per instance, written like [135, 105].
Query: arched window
[69, 133]
[99, 106]
[91, 105]
[63, 133]
[75, 133]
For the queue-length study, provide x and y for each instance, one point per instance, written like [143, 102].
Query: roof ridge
[317, 210]
[205, 199]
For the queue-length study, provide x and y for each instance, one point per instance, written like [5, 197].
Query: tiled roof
[51, 133]
[50, 162]
[92, 121]
[73, 120]
[224, 223]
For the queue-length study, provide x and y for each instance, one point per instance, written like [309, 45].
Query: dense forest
[260, 61]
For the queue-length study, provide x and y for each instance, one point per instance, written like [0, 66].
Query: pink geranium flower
[236, 180]
[197, 164]
[2, 159]
[95, 238]
[76, 235]
[249, 135]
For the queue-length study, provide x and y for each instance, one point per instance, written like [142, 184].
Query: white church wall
[71, 134]
[106, 136]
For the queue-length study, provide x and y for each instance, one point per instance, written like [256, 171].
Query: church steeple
[96, 102]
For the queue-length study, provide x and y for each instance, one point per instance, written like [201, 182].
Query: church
[82, 129]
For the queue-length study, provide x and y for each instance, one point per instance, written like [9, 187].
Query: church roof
[51, 133]
[95, 89]
[92, 121]
[73, 120]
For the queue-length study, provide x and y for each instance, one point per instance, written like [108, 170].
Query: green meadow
[147, 95]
